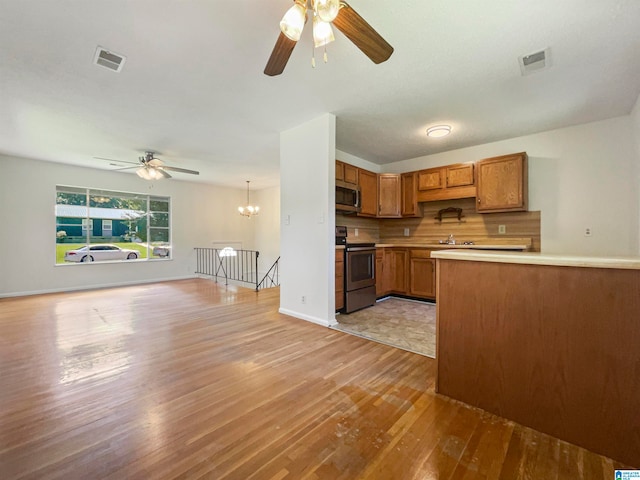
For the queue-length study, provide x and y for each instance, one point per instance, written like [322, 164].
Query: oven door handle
[361, 249]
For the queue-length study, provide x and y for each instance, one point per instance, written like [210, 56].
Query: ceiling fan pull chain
[325, 54]
[313, 56]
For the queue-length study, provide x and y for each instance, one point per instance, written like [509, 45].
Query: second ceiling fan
[325, 13]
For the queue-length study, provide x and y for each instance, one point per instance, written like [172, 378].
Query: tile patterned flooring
[398, 322]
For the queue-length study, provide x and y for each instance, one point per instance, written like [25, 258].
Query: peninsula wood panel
[480, 228]
[192, 379]
[554, 348]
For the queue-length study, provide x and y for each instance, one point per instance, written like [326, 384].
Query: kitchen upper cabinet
[339, 279]
[431, 179]
[409, 188]
[350, 174]
[460, 175]
[389, 195]
[422, 274]
[502, 184]
[446, 183]
[346, 173]
[368, 182]
[339, 170]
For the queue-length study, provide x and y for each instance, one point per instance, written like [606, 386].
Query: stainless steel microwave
[347, 197]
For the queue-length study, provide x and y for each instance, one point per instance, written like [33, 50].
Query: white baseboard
[302, 316]
[92, 287]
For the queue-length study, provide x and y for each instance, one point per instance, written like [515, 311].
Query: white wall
[635, 125]
[579, 177]
[267, 227]
[307, 172]
[201, 214]
[357, 161]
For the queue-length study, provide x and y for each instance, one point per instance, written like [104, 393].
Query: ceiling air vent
[535, 61]
[110, 60]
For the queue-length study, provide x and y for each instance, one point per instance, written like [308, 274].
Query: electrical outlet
[406, 232]
[303, 299]
[587, 232]
[502, 229]
[355, 232]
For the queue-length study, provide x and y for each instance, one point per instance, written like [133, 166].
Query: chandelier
[248, 210]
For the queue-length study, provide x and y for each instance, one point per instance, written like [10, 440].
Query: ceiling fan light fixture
[327, 10]
[293, 21]
[149, 173]
[322, 32]
[438, 131]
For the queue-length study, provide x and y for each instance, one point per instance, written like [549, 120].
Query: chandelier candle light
[248, 210]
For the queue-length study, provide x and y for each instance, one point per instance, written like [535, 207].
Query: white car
[162, 250]
[99, 253]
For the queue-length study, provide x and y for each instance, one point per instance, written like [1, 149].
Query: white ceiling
[193, 90]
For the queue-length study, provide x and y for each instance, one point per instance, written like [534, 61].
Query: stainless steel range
[359, 274]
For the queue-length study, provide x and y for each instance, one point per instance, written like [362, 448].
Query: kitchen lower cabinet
[398, 261]
[339, 279]
[405, 271]
[381, 279]
[422, 274]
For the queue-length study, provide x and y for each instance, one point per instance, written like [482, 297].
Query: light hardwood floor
[190, 379]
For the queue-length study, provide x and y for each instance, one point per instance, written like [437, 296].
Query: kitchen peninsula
[549, 341]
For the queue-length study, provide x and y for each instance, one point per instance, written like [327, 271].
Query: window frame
[86, 224]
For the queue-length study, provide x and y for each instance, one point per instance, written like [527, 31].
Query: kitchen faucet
[449, 241]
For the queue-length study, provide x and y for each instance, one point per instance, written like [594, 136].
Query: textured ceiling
[193, 90]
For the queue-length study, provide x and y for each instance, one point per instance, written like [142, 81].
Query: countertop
[536, 258]
[458, 246]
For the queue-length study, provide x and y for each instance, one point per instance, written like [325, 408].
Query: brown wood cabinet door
[381, 284]
[460, 175]
[399, 270]
[350, 174]
[502, 184]
[431, 179]
[389, 195]
[368, 182]
[339, 279]
[409, 188]
[423, 277]
[339, 170]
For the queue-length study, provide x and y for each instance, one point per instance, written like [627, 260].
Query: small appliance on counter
[359, 272]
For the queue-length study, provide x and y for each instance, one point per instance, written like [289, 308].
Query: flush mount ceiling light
[325, 13]
[248, 210]
[438, 131]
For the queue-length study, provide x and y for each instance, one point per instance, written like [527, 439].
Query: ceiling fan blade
[181, 170]
[280, 55]
[161, 170]
[125, 168]
[363, 36]
[114, 160]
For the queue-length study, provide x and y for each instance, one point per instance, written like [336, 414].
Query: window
[100, 225]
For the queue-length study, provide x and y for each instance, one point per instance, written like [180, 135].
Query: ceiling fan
[149, 167]
[325, 13]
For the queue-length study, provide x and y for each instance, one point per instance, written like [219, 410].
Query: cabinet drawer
[421, 253]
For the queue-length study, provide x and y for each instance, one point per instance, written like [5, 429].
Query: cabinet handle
[478, 200]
